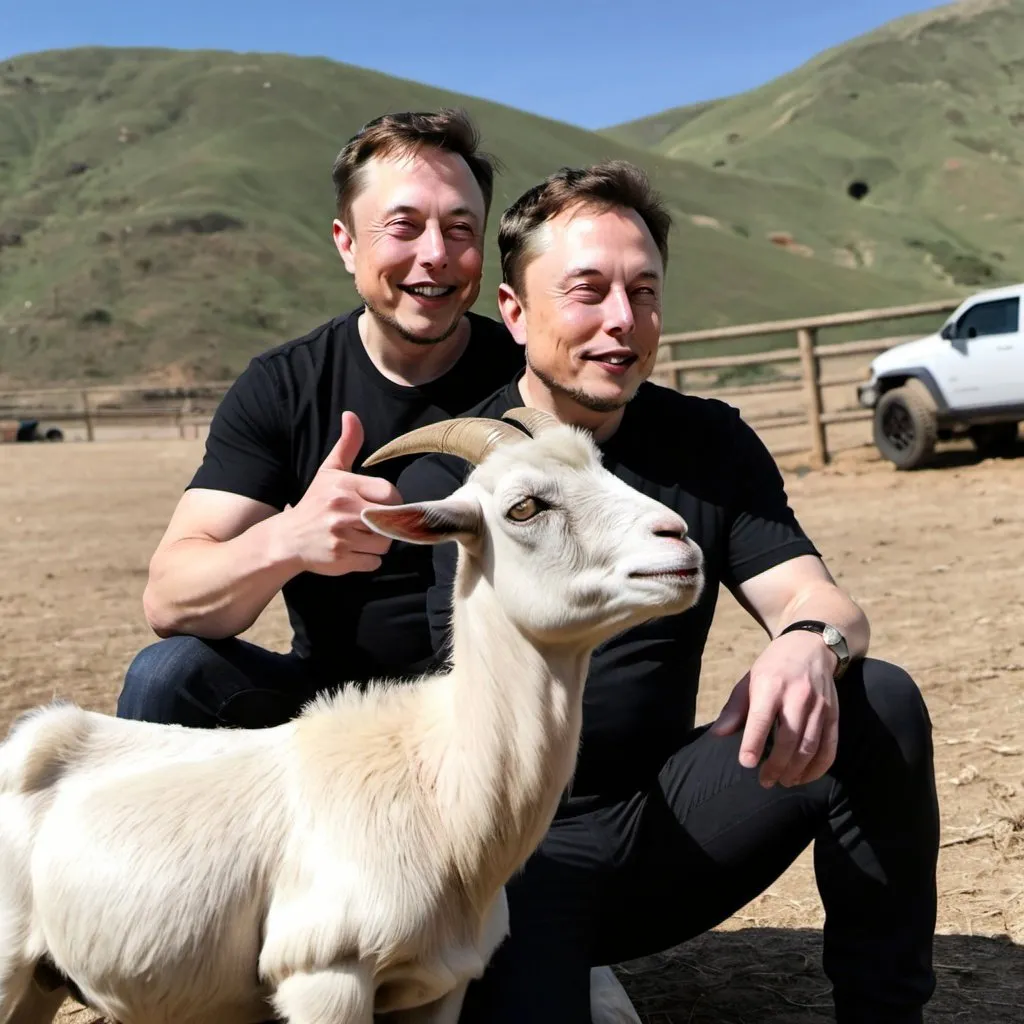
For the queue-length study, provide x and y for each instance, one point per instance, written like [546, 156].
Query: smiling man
[669, 828]
[275, 504]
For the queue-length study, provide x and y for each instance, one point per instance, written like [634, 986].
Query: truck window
[1001, 316]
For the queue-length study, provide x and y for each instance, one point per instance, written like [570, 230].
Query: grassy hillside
[927, 112]
[166, 214]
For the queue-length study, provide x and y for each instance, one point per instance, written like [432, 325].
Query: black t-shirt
[272, 431]
[698, 457]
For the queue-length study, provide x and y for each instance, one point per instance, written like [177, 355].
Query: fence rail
[808, 353]
[189, 408]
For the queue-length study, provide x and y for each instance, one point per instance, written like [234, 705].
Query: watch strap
[832, 637]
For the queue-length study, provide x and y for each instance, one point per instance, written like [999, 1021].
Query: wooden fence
[809, 354]
[187, 410]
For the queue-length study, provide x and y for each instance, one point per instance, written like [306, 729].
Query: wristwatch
[834, 640]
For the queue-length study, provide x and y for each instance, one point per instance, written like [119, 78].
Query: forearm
[827, 602]
[217, 589]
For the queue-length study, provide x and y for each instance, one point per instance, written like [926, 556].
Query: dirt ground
[935, 558]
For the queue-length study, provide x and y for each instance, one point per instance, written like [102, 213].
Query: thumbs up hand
[324, 530]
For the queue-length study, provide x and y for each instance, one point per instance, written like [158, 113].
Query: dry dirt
[935, 557]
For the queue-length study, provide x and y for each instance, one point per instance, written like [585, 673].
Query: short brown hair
[446, 129]
[604, 186]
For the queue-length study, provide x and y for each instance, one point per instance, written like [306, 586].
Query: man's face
[590, 315]
[416, 242]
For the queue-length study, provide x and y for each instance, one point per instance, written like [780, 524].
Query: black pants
[673, 861]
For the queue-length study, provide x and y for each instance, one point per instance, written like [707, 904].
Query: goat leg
[23, 1001]
[334, 995]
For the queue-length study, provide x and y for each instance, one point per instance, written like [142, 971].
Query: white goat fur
[352, 861]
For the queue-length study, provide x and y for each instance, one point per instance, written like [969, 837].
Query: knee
[157, 676]
[897, 704]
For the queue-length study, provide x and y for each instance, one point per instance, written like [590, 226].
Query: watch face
[831, 635]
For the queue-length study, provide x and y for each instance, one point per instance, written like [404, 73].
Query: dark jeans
[212, 683]
[675, 860]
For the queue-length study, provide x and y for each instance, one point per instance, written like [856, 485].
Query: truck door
[986, 361]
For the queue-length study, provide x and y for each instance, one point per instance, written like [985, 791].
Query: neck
[515, 713]
[537, 395]
[408, 362]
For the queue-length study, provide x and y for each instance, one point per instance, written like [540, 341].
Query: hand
[323, 530]
[790, 683]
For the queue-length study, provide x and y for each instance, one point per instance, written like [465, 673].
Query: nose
[433, 251]
[619, 313]
[668, 524]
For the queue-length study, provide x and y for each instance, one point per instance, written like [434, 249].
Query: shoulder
[658, 407]
[493, 341]
[485, 328]
[308, 352]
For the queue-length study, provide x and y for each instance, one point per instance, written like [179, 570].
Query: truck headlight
[867, 394]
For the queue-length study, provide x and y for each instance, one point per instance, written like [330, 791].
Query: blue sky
[589, 62]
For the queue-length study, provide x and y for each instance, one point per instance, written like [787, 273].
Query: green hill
[926, 113]
[166, 214]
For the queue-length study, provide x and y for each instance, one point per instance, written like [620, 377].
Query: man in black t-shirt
[668, 829]
[275, 505]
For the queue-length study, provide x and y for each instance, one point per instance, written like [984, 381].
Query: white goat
[352, 861]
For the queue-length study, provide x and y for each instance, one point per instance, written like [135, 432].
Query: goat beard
[578, 395]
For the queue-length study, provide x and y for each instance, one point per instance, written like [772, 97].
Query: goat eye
[525, 509]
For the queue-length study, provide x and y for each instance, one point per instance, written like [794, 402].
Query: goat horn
[535, 420]
[472, 438]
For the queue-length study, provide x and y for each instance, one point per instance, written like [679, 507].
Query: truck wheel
[904, 425]
[994, 438]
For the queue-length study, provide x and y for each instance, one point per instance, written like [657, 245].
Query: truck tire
[994, 438]
[904, 425]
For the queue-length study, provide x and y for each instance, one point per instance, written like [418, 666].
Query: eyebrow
[644, 275]
[458, 211]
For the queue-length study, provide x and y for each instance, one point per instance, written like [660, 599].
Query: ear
[427, 522]
[512, 312]
[345, 243]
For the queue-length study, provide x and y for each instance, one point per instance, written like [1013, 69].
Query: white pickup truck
[967, 378]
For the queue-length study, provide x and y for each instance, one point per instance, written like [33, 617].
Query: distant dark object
[145, 264]
[857, 189]
[78, 167]
[97, 316]
[104, 237]
[854, 95]
[9, 238]
[28, 430]
[207, 224]
[719, 163]
[956, 117]
[733, 137]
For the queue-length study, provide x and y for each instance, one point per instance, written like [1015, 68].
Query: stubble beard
[403, 332]
[578, 395]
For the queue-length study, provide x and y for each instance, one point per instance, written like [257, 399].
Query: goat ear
[427, 522]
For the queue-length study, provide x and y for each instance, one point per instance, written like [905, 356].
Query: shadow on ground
[955, 458]
[774, 976]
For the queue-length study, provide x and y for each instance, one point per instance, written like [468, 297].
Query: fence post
[90, 434]
[805, 339]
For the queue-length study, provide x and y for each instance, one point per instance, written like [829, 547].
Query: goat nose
[669, 525]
